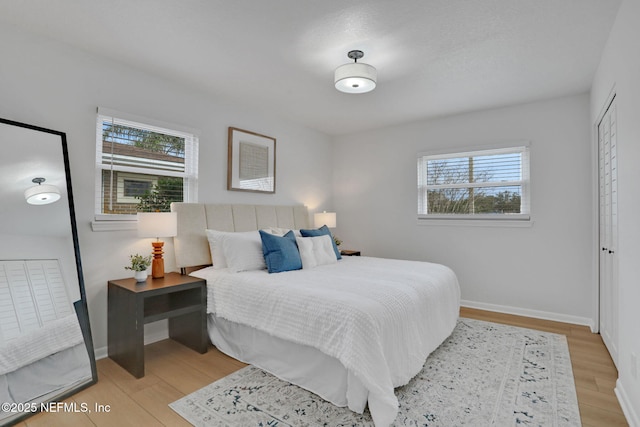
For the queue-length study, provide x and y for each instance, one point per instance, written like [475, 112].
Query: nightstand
[349, 253]
[180, 298]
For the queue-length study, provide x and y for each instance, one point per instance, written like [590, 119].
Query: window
[142, 167]
[132, 186]
[484, 184]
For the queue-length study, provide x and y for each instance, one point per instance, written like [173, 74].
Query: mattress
[378, 318]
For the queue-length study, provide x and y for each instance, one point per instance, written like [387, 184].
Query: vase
[140, 276]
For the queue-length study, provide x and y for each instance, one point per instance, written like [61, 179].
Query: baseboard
[629, 412]
[576, 320]
[102, 352]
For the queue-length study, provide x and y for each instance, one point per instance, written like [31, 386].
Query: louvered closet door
[608, 168]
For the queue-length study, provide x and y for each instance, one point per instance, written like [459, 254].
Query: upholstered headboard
[191, 245]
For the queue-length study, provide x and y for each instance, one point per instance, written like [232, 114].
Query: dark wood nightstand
[349, 253]
[180, 298]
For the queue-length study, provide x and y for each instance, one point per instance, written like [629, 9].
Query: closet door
[608, 168]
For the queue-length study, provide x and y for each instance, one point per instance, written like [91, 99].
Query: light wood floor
[173, 371]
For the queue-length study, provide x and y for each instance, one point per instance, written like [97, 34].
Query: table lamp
[157, 224]
[325, 218]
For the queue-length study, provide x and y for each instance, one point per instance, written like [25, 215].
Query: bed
[350, 331]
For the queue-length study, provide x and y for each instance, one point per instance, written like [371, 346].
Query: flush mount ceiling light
[41, 194]
[356, 77]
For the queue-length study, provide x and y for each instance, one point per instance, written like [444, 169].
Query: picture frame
[251, 163]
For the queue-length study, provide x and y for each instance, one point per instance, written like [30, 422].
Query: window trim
[114, 222]
[518, 220]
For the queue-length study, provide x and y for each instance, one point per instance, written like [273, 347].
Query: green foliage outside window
[145, 139]
[159, 199]
[472, 200]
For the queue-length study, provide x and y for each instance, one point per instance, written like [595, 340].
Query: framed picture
[251, 165]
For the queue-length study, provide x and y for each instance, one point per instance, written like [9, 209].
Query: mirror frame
[80, 306]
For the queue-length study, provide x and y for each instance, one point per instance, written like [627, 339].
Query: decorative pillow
[324, 230]
[315, 251]
[280, 252]
[282, 231]
[243, 251]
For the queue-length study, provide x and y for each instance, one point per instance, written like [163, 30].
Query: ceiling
[434, 57]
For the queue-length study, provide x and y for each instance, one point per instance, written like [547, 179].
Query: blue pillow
[280, 253]
[321, 232]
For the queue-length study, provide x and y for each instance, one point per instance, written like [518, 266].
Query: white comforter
[381, 318]
[53, 337]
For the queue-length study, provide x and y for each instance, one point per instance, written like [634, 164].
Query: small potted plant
[139, 265]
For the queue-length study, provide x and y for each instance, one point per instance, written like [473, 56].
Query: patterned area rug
[484, 374]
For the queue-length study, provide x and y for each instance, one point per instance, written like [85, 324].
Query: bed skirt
[302, 365]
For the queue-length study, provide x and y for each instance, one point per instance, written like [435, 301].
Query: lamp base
[157, 266]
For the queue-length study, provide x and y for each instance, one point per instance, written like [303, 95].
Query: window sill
[477, 222]
[113, 225]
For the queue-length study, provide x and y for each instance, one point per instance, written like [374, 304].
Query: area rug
[484, 374]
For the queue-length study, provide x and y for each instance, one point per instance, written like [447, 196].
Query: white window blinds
[483, 184]
[142, 167]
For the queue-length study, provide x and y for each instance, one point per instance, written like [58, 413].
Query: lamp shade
[42, 194]
[325, 218]
[355, 78]
[157, 224]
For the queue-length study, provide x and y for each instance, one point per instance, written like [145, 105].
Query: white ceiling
[434, 57]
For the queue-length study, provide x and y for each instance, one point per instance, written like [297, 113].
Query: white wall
[620, 67]
[55, 86]
[543, 270]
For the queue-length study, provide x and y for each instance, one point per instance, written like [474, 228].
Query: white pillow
[215, 246]
[243, 251]
[315, 251]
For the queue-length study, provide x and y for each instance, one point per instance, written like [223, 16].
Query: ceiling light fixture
[41, 194]
[356, 77]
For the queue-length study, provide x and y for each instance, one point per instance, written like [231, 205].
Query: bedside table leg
[125, 334]
[191, 329]
[187, 330]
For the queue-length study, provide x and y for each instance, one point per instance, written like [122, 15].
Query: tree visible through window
[478, 184]
[142, 168]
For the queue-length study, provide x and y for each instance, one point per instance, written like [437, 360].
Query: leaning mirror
[46, 350]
